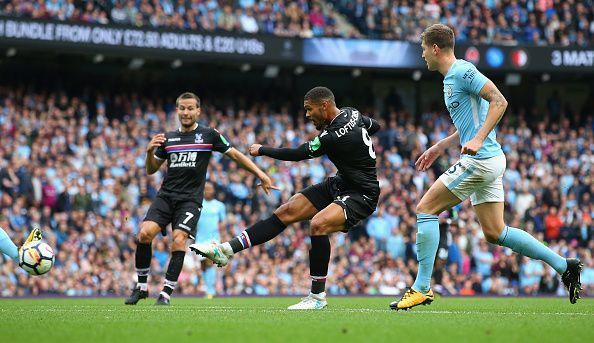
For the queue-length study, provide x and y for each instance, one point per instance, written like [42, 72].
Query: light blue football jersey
[213, 212]
[461, 88]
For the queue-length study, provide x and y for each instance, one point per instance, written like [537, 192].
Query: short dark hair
[187, 95]
[440, 35]
[319, 94]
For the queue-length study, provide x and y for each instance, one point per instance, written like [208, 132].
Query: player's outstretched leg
[523, 243]
[212, 251]
[7, 247]
[259, 233]
[571, 279]
[491, 217]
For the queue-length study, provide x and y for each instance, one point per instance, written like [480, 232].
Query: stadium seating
[538, 22]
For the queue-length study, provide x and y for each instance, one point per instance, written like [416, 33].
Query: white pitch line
[273, 310]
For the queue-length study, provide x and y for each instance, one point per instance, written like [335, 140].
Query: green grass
[266, 320]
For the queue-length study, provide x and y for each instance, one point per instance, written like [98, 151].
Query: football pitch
[267, 320]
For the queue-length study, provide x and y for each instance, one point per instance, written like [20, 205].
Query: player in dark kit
[179, 201]
[336, 204]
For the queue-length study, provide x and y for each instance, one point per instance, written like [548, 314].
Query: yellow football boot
[411, 299]
[35, 235]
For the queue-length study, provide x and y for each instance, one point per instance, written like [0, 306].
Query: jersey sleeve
[472, 80]
[371, 125]
[319, 145]
[220, 143]
[160, 152]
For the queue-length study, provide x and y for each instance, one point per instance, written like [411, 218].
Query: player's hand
[428, 157]
[266, 183]
[255, 149]
[157, 140]
[472, 147]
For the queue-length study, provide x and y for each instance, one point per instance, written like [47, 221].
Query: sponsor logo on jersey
[174, 139]
[348, 126]
[183, 159]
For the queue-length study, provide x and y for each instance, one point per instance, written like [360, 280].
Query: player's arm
[314, 148]
[250, 166]
[154, 148]
[371, 125]
[430, 155]
[497, 107]
[449, 141]
[284, 154]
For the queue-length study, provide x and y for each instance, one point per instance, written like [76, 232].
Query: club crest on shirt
[198, 138]
[449, 91]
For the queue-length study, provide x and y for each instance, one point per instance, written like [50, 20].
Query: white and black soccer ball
[36, 258]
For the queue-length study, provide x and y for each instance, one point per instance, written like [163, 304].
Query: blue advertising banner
[362, 53]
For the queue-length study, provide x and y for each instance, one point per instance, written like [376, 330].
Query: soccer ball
[36, 258]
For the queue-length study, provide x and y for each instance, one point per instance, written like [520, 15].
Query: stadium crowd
[539, 22]
[300, 18]
[75, 167]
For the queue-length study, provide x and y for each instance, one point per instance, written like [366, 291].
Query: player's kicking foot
[34, 235]
[411, 299]
[212, 251]
[136, 295]
[163, 299]
[311, 302]
[571, 279]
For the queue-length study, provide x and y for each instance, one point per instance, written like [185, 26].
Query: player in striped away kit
[336, 204]
[476, 106]
[179, 201]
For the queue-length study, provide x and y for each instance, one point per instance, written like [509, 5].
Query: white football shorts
[479, 179]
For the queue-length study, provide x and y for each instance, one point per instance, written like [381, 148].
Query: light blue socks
[523, 243]
[210, 280]
[427, 244]
[7, 247]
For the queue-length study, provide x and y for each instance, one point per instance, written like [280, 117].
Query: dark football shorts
[182, 214]
[356, 206]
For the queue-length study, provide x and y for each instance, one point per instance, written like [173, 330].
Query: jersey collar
[195, 127]
[339, 113]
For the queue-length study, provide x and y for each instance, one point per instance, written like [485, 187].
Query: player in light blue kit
[8, 248]
[476, 106]
[212, 217]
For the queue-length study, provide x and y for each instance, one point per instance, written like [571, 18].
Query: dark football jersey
[187, 155]
[347, 144]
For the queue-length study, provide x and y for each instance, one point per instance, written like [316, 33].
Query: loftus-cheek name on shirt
[348, 126]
